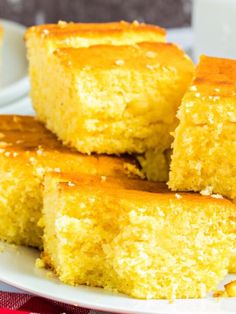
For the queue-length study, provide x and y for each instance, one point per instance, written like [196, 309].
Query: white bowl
[13, 66]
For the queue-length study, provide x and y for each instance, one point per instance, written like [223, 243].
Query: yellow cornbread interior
[146, 245]
[155, 164]
[27, 152]
[204, 149]
[136, 93]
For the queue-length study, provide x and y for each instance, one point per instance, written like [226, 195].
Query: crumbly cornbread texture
[27, 151]
[113, 99]
[140, 240]
[204, 150]
[155, 164]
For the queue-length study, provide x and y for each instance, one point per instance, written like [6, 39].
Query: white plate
[13, 66]
[17, 268]
[22, 106]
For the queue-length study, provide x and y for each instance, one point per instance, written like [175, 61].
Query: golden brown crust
[24, 137]
[149, 55]
[144, 190]
[69, 180]
[216, 77]
[66, 30]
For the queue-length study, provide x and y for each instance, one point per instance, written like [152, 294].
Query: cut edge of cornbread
[204, 147]
[147, 245]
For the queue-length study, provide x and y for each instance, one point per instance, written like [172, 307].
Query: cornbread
[43, 40]
[27, 152]
[204, 150]
[144, 241]
[230, 289]
[113, 99]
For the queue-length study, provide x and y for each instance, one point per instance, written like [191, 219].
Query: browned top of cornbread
[138, 190]
[215, 77]
[146, 55]
[67, 180]
[66, 30]
[24, 137]
[212, 95]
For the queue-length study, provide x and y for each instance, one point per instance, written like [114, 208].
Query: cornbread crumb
[220, 294]
[151, 54]
[39, 263]
[207, 191]
[230, 288]
[178, 196]
[119, 62]
[103, 178]
[217, 196]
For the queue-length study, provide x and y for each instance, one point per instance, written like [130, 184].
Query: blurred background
[166, 13]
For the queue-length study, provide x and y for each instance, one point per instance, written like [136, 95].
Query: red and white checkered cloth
[19, 303]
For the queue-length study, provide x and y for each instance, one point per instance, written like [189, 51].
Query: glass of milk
[214, 27]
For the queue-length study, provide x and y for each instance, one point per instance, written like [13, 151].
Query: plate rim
[35, 278]
[20, 87]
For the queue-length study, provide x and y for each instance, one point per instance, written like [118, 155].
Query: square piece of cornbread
[27, 151]
[204, 149]
[136, 237]
[113, 99]
[43, 40]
